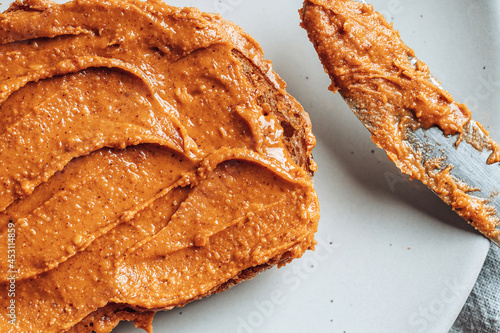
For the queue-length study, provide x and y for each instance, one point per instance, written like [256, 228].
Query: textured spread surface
[149, 157]
[394, 94]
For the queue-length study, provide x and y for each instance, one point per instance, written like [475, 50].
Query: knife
[423, 130]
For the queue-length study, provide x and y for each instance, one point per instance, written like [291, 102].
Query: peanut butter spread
[149, 157]
[392, 92]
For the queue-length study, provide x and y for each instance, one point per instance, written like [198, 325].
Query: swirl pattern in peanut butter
[149, 157]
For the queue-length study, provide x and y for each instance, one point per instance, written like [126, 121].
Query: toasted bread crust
[269, 94]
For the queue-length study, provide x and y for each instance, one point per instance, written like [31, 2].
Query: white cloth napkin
[481, 313]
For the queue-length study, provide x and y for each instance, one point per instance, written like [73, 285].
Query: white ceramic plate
[391, 256]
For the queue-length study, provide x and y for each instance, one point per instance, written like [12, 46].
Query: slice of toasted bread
[151, 157]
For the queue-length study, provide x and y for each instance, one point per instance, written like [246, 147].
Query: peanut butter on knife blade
[424, 131]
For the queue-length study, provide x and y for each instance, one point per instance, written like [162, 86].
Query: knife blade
[423, 130]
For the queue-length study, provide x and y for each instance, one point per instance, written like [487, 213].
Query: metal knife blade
[462, 169]
[468, 164]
